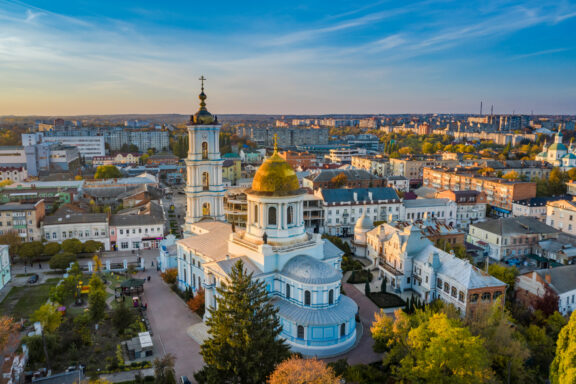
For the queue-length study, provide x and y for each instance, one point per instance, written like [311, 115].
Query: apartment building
[510, 237]
[376, 165]
[298, 159]
[470, 206]
[137, 228]
[343, 155]
[413, 168]
[422, 209]
[408, 260]
[560, 214]
[120, 159]
[343, 207]
[24, 218]
[342, 178]
[534, 207]
[500, 193]
[64, 225]
[13, 173]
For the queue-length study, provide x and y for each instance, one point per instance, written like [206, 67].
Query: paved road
[170, 318]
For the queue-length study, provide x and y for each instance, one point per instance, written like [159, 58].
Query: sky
[62, 57]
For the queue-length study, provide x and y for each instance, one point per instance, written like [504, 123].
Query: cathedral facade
[558, 154]
[301, 271]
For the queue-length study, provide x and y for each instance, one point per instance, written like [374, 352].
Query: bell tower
[204, 188]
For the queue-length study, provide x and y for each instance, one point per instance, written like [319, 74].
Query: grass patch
[386, 300]
[21, 302]
[358, 277]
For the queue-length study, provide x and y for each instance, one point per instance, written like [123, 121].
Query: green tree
[62, 260]
[72, 245]
[52, 248]
[164, 372]
[96, 298]
[107, 172]
[50, 318]
[563, 368]
[541, 347]
[505, 274]
[557, 182]
[92, 246]
[31, 251]
[13, 239]
[122, 317]
[512, 175]
[428, 148]
[244, 344]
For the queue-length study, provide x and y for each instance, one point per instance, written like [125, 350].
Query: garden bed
[387, 300]
[361, 276]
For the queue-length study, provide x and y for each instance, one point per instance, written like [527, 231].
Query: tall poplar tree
[563, 368]
[244, 345]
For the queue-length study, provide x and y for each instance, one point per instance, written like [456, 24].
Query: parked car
[184, 380]
[33, 279]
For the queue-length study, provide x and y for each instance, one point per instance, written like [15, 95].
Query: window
[272, 216]
[136, 244]
[63, 235]
[255, 213]
[446, 287]
[499, 293]
[474, 298]
[342, 329]
[121, 231]
[204, 150]
[124, 245]
[439, 283]
[205, 181]
[47, 235]
[139, 230]
[306, 297]
[287, 291]
[300, 332]
[87, 233]
[54, 235]
[461, 296]
[454, 292]
[331, 297]
[486, 296]
[290, 214]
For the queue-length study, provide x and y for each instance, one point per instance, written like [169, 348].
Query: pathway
[170, 320]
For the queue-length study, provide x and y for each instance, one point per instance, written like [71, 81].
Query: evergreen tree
[244, 345]
[383, 286]
[367, 288]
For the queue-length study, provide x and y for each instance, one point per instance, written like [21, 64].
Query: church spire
[202, 117]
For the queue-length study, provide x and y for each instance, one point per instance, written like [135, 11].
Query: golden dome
[275, 176]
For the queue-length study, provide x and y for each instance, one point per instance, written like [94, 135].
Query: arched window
[205, 181]
[287, 291]
[300, 333]
[204, 150]
[272, 216]
[193, 279]
[255, 213]
[306, 297]
[331, 297]
[290, 214]
[206, 209]
[342, 329]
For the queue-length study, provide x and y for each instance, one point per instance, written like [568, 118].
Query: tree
[563, 368]
[244, 344]
[383, 285]
[52, 248]
[107, 172]
[339, 180]
[164, 372]
[405, 151]
[197, 303]
[504, 274]
[31, 251]
[50, 319]
[62, 260]
[122, 317]
[170, 276]
[512, 175]
[74, 246]
[92, 246]
[8, 328]
[297, 370]
[428, 148]
[367, 288]
[431, 347]
[13, 239]
[96, 298]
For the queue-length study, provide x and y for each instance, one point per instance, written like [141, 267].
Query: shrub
[196, 304]
[50, 249]
[170, 276]
[362, 276]
[92, 246]
[62, 260]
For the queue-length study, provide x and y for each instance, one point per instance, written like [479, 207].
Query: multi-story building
[399, 183]
[232, 169]
[510, 237]
[163, 158]
[532, 288]
[410, 261]
[64, 225]
[24, 218]
[376, 165]
[534, 207]
[313, 213]
[5, 273]
[298, 159]
[235, 207]
[500, 193]
[287, 137]
[413, 168]
[343, 207]
[137, 228]
[435, 230]
[560, 214]
[343, 155]
[422, 209]
[13, 173]
[143, 139]
[88, 146]
[470, 206]
[120, 159]
[342, 178]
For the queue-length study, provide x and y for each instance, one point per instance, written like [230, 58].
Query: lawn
[386, 300]
[21, 302]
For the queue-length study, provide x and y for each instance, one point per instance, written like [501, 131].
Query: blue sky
[100, 57]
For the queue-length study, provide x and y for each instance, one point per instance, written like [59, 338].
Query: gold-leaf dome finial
[202, 117]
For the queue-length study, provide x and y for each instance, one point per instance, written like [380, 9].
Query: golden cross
[275, 142]
[202, 78]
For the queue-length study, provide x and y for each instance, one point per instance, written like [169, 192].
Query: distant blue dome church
[301, 271]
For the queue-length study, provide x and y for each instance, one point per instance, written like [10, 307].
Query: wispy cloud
[540, 53]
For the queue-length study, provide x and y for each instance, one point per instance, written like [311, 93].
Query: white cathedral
[301, 271]
[558, 154]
